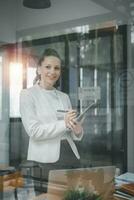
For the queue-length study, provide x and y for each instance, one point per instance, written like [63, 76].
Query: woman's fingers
[75, 127]
[72, 113]
[70, 120]
[72, 123]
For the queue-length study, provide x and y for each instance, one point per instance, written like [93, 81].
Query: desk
[10, 179]
[45, 196]
[4, 175]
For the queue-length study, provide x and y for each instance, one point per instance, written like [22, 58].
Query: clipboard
[81, 116]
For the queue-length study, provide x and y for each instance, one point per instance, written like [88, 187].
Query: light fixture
[37, 4]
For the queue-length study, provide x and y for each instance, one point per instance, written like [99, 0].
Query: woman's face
[50, 71]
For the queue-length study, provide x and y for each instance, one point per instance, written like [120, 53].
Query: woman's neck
[46, 87]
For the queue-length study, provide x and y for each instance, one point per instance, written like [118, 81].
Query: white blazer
[41, 124]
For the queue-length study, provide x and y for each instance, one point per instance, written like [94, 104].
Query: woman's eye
[57, 68]
[47, 66]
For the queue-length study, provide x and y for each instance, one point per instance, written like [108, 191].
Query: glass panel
[92, 51]
[88, 65]
[0, 87]
[4, 110]
[94, 68]
[73, 74]
[118, 49]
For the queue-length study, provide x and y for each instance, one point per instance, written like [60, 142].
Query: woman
[46, 125]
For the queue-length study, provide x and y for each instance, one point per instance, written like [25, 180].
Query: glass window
[93, 62]
[92, 51]
[87, 65]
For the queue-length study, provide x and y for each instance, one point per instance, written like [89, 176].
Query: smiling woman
[50, 132]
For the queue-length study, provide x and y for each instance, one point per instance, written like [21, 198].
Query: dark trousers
[67, 160]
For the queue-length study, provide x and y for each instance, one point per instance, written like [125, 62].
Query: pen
[63, 111]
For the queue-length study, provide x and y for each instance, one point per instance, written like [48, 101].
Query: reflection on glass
[31, 73]
[15, 88]
[93, 59]
[93, 53]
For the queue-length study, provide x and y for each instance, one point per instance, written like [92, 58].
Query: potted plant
[76, 194]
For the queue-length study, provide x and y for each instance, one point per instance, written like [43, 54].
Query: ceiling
[62, 14]
[63, 10]
[121, 8]
[73, 13]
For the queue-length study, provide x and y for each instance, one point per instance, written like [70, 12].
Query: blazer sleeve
[72, 134]
[33, 126]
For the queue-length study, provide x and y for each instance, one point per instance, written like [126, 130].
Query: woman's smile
[52, 77]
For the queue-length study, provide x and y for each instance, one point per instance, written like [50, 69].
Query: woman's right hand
[70, 116]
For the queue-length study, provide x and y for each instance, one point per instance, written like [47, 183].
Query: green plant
[74, 194]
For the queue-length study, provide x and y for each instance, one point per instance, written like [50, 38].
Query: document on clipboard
[82, 115]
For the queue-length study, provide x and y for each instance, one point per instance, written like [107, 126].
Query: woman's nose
[52, 71]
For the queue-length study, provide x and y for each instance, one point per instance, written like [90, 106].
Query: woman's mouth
[52, 77]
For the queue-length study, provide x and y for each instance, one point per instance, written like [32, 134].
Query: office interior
[95, 39]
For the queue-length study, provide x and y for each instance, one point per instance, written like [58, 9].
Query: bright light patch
[31, 73]
[15, 88]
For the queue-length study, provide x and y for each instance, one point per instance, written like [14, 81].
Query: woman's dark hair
[47, 52]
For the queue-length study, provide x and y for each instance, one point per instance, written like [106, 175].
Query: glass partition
[88, 66]
[97, 66]
[93, 70]
[4, 110]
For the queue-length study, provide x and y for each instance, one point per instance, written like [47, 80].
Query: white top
[44, 125]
